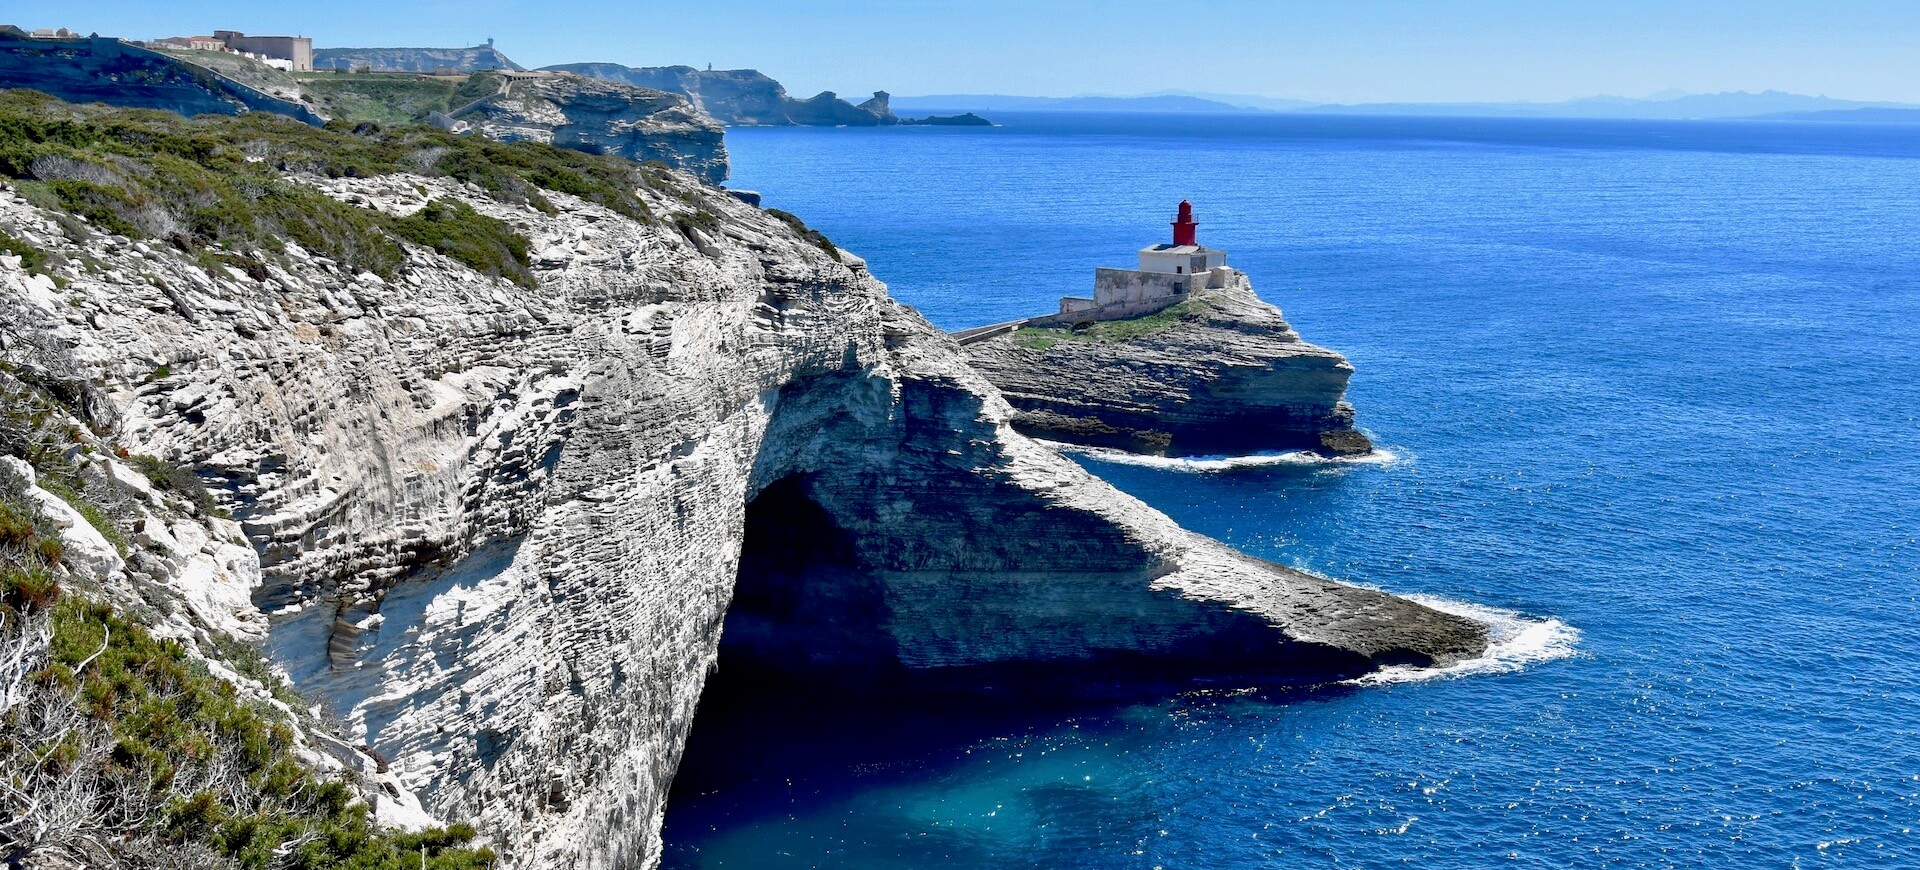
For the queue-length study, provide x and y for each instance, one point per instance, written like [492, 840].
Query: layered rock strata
[478, 58]
[498, 528]
[744, 96]
[602, 117]
[1221, 372]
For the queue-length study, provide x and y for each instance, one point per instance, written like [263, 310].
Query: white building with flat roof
[1167, 273]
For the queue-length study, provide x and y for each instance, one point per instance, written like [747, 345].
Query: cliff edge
[501, 427]
[599, 117]
[744, 96]
[476, 58]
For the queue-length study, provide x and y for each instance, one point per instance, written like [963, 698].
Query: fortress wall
[1118, 286]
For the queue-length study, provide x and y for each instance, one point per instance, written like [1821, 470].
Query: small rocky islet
[1179, 357]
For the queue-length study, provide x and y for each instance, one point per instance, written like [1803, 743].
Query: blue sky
[1328, 50]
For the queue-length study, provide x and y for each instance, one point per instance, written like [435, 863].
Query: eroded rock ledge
[499, 527]
[1221, 372]
[600, 117]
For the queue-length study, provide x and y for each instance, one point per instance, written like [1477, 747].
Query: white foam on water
[1210, 464]
[1515, 641]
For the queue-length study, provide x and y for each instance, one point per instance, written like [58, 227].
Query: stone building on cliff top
[1167, 273]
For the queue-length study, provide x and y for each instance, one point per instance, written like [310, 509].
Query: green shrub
[176, 479]
[700, 218]
[217, 180]
[810, 234]
[485, 244]
[166, 715]
[30, 548]
[31, 258]
[30, 587]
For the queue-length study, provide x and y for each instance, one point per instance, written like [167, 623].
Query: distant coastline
[1732, 105]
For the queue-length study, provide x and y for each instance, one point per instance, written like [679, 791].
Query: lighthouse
[1168, 273]
[1186, 256]
[1184, 225]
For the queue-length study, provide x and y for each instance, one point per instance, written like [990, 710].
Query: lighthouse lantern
[1184, 224]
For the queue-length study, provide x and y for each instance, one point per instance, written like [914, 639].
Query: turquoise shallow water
[1651, 393]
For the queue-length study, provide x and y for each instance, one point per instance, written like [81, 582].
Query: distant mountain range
[1670, 105]
[1090, 103]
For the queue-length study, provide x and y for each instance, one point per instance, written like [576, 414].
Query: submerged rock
[1221, 372]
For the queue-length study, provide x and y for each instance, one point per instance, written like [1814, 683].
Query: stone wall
[1116, 286]
[297, 50]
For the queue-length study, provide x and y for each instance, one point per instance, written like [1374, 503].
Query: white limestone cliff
[498, 528]
[602, 117]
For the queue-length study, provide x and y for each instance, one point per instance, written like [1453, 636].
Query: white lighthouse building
[1167, 273]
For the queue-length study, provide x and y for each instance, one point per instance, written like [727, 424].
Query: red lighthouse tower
[1183, 226]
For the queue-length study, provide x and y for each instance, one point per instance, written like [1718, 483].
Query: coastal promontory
[487, 442]
[1178, 357]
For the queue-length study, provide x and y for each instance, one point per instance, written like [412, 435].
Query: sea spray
[1515, 641]
[1213, 464]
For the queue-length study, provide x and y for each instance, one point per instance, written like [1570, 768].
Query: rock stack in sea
[744, 96]
[1220, 372]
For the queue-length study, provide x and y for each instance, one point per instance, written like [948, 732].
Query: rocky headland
[490, 440]
[599, 117]
[965, 119]
[1218, 372]
[96, 69]
[744, 96]
[473, 59]
[569, 111]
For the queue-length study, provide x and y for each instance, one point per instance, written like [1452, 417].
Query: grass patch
[1110, 331]
[95, 515]
[1035, 339]
[383, 98]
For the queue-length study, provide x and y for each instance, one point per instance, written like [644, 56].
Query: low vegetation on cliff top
[391, 99]
[197, 183]
[119, 748]
[1044, 337]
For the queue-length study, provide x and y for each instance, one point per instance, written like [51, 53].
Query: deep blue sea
[1652, 390]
